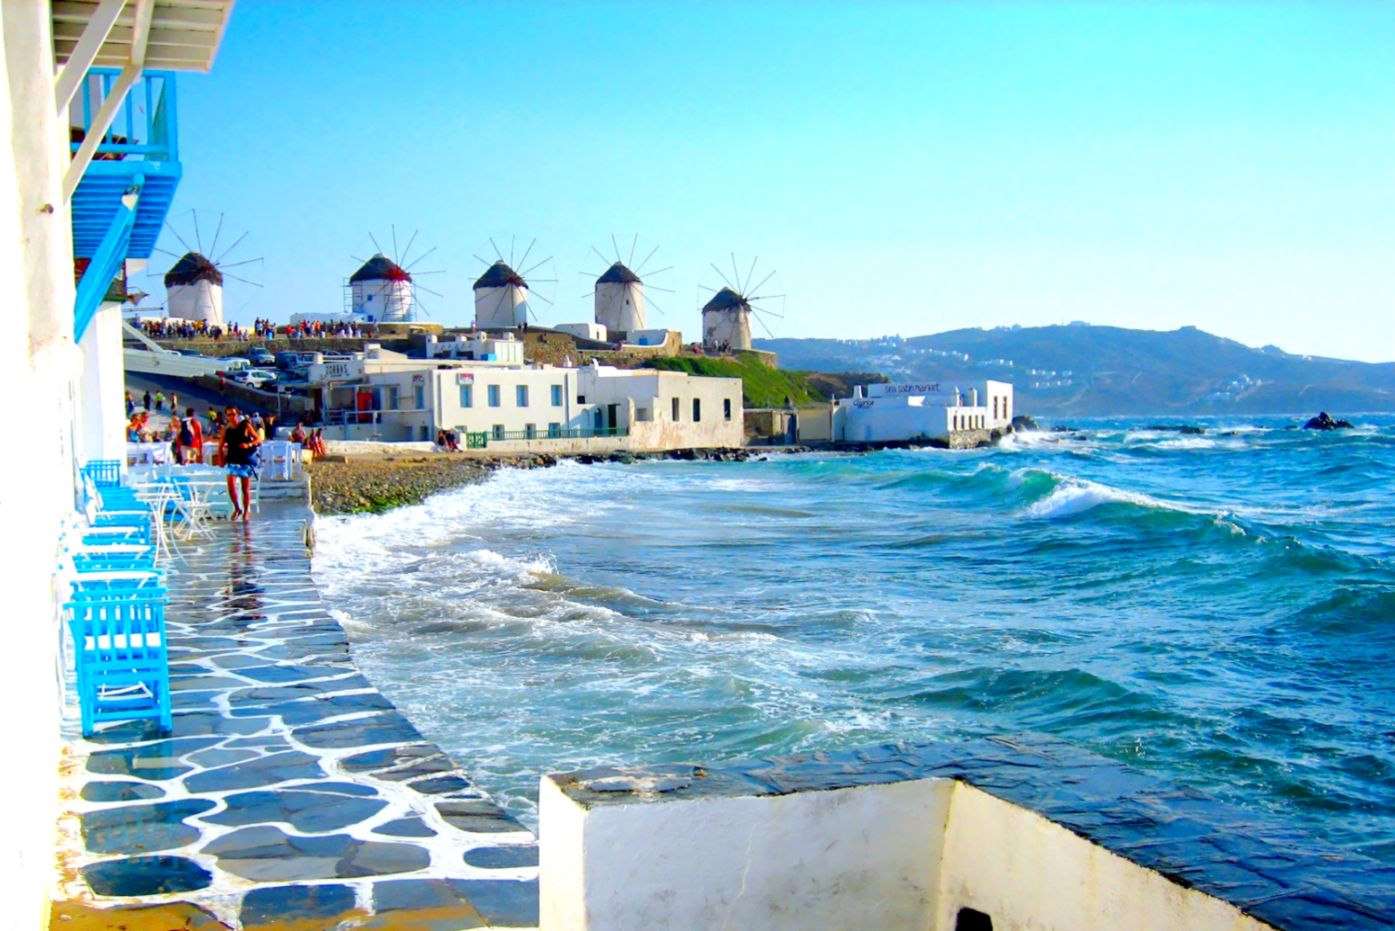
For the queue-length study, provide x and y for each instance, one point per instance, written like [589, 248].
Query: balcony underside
[98, 199]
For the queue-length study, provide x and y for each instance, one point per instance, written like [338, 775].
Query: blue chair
[122, 660]
[105, 473]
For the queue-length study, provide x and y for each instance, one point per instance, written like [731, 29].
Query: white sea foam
[1075, 496]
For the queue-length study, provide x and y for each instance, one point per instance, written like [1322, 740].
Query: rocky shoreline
[373, 484]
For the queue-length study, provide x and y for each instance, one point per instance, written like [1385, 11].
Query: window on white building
[697, 410]
[531, 431]
[493, 395]
[498, 431]
[726, 408]
[554, 429]
[675, 410]
[467, 396]
[419, 396]
[643, 414]
[520, 393]
[393, 398]
[556, 395]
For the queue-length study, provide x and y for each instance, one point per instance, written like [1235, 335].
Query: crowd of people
[174, 328]
[187, 434]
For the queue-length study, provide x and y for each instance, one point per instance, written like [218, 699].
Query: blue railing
[146, 125]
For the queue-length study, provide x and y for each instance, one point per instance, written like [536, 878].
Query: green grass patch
[761, 385]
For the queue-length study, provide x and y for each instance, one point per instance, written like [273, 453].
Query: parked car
[257, 378]
[234, 363]
[261, 357]
[287, 360]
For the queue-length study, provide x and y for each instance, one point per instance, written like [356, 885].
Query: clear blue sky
[906, 168]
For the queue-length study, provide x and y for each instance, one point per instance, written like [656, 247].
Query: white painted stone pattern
[202, 300]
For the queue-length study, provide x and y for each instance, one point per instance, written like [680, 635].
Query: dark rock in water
[1324, 421]
[1178, 428]
[1024, 422]
[1063, 428]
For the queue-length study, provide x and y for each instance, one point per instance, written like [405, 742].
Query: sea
[1217, 609]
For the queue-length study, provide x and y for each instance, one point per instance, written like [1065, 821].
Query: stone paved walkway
[291, 793]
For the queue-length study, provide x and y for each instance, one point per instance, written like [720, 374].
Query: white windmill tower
[501, 294]
[382, 291]
[194, 290]
[726, 317]
[194, 284]
[619, 292]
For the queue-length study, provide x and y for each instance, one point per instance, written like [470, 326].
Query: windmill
[386, 290]
[501, 294]
[619, 292]
[194, 284]
[726, 317]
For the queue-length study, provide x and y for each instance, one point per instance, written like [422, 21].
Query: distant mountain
[1099, 370]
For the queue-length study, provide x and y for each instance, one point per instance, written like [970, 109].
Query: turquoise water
[1216, 609]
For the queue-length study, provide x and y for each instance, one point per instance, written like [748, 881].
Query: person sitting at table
[316, 444]
[238, 452]
[298, 434]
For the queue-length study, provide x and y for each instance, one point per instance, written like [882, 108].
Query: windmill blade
[750, 273]
[535, 267]
[660, 271]
[542, 298]
[763, 297]
[359, 260]
[768, 311]
[633, 246]
[482, 261]
[654, 287]
[646, 260]
[708, 288]
[214, 247]
[763, 282]
[434, 271]
[616, 245]
[764, 327]
[243, 262]
[419, 258]
[176, 255]
[512, 242]
[228, 251]
[198, 240]
[177, 236]
[655, 304]
[408, 251]
[375, 243]
[734, 273]
[722, 276]
[422, 287]
[601, 257]
[243, 280]
[496, 249]
[524, 260]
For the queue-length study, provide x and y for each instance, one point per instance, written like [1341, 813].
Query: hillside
[1096, 370]
[762, 386]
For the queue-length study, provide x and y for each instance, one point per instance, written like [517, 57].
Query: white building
[501, 298]
[381, 290]
[619, 297]
[480, 347]
[392, 398]
[194, 290]
[726, 322]
[892, 413]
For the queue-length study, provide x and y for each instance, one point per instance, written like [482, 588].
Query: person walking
[191, 420]
[238, 452]
[159, 400]
[130, 405]
[146, 399]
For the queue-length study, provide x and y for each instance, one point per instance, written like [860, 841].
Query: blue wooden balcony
[139, 151]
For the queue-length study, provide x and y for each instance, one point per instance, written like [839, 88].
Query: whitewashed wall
[620, 306]
[501, 308]
[902, 856]
[39, 368]
[726, 327]
[384, 300]
[202, 300]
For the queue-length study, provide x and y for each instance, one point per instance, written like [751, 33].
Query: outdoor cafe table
[147, 453]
